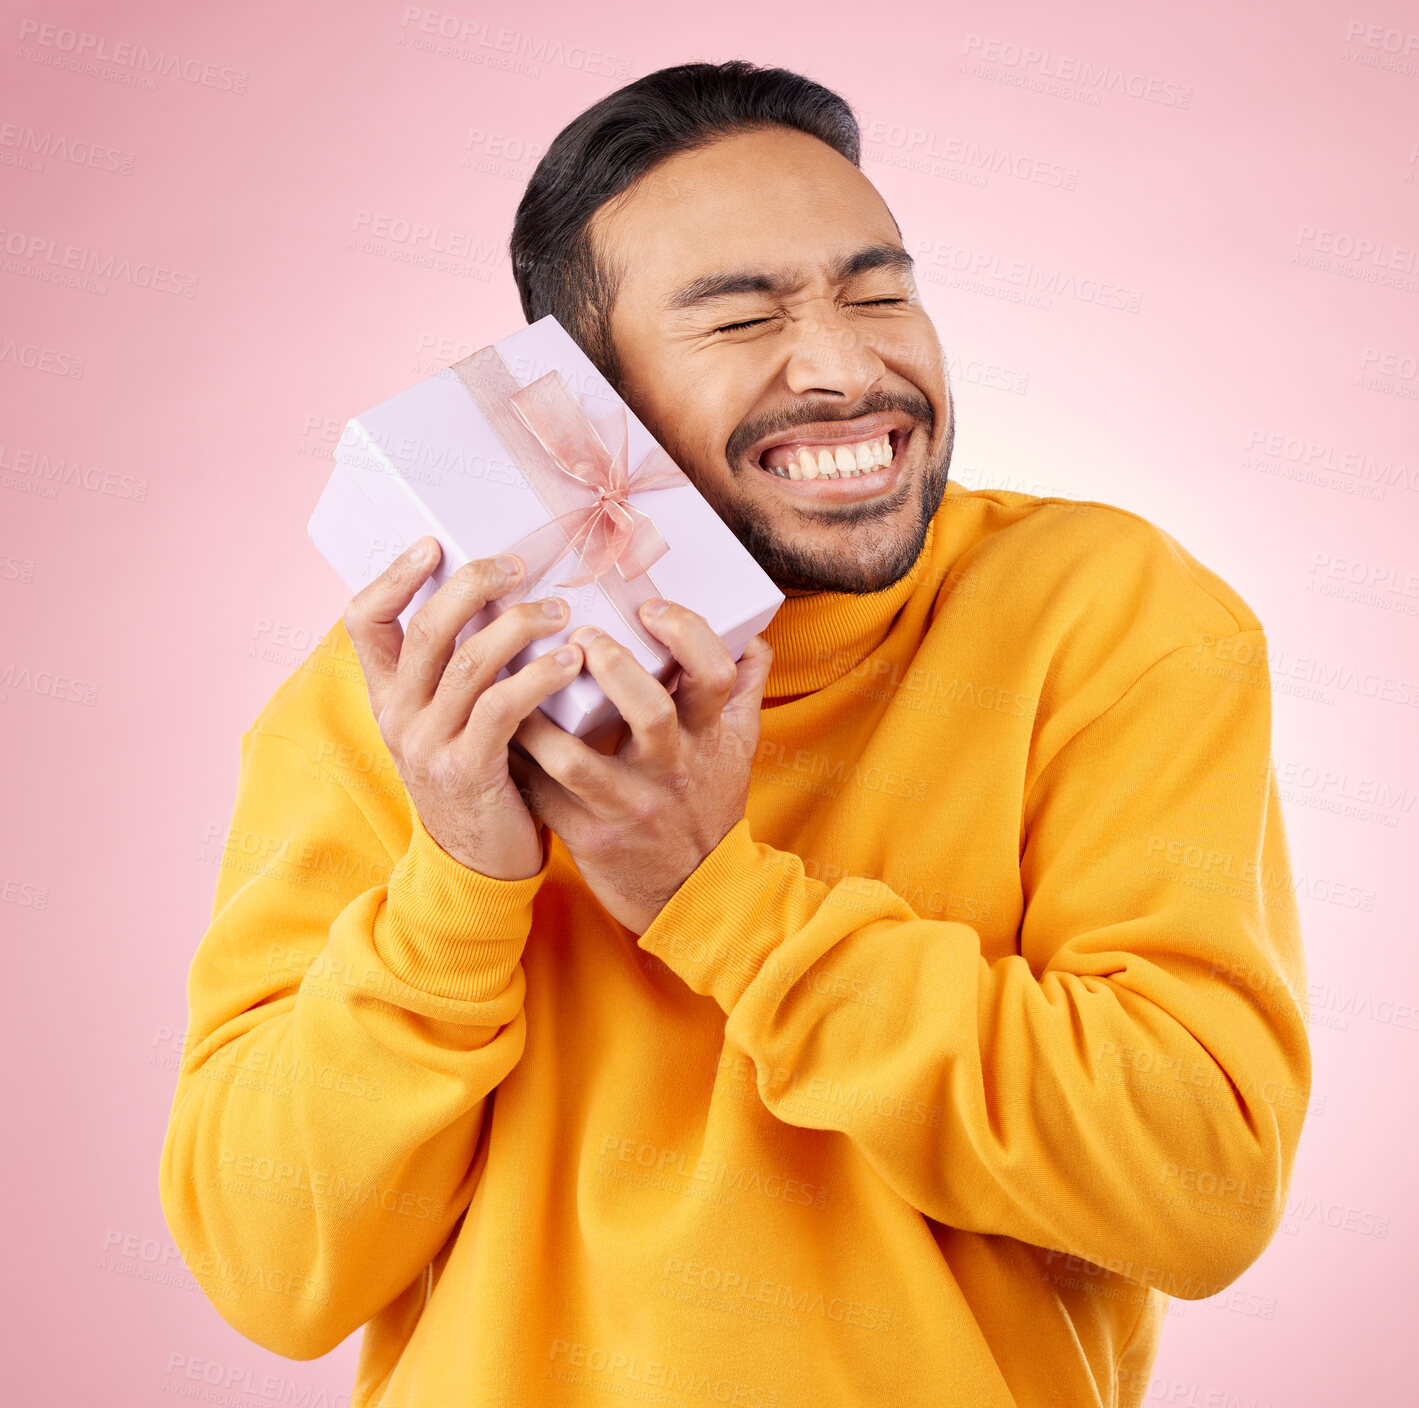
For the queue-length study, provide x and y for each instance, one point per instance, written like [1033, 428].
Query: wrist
[449, 929]
[496, 868]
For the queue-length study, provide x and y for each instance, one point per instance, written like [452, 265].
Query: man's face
[767, 320]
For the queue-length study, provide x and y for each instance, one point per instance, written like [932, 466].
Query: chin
[830, 560]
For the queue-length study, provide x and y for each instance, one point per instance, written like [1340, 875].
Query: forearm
[321, 1143]
[986, 1096]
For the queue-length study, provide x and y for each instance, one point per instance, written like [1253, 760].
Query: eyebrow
[849, 266]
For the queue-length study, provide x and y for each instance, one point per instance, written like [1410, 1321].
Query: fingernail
[417, 554]
[552, 607]
[583, 635]
[655, 606]
[567, 655]
[507, 564]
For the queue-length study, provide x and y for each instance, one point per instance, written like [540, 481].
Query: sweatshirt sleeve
[349, 1012]
[1130, 1086]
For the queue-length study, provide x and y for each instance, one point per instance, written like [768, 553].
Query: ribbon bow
[583, 485]
[606, 530]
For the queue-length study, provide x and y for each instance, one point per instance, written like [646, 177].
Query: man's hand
[639, 821]
[445, 721]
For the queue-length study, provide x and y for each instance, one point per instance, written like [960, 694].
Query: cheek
[699, 412]
[913, 352]
[657, 396]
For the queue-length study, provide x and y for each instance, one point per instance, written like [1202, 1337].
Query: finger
[707, 670]
[497, 712]
[641, 700]
[746, 699]
[372, 615]
[573, 763]
[433, 628]
[475, 664]
[544, 797]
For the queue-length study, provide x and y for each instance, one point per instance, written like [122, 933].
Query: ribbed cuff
[449, 930]
[717, 930]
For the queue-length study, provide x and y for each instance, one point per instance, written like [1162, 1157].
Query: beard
[871, 553]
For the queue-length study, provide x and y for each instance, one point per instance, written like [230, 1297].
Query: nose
[830, 355]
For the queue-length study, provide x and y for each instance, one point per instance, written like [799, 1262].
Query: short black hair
[615, 142]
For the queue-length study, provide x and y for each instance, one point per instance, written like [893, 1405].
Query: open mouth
[833, 460]
[841, 460]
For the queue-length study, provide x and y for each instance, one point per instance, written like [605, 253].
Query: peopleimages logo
[1306, 457]
[48, 473]
[476, 41]
[901, 144]
[1043, 71]
[1016, 280]
[1375, 46]
[1344, 245]
[57, 46]
[36, 358]
[24, 146]
[39, 256]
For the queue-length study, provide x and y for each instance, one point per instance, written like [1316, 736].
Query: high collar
[819, 638]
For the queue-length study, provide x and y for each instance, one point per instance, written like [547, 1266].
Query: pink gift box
[458, 456]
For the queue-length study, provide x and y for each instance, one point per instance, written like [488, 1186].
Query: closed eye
[735, 327]
[754, 322]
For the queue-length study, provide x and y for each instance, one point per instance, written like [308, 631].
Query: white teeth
[836, 461]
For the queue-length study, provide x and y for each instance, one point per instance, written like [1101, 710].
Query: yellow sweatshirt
[982, 1034]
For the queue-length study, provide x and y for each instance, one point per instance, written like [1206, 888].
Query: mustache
[748, 432]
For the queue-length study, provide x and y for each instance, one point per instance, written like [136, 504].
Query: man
[900, 1016]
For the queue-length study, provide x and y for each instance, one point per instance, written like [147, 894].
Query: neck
[817, 637]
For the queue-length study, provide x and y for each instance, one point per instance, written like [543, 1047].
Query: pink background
[1265, 229]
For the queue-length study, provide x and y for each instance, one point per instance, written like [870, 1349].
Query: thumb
[746, 698]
